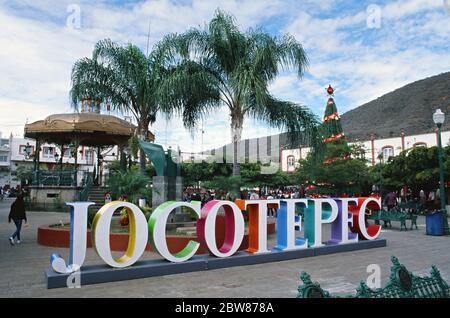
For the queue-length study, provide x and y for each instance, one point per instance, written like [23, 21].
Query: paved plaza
[22, 267]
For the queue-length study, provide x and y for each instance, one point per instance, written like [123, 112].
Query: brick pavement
[22, 267]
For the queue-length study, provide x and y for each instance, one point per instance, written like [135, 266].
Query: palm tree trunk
[142, 160]
[236, 134]
[143, 129]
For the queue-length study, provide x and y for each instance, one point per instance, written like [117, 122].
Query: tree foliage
[417, 168]
[222, 66]
[24, 174]
[123, 77]
[341, 176]
[214, 174]
[131, 184]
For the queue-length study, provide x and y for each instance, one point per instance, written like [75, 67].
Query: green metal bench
[388, 216]
[411, 210]
[402, 284]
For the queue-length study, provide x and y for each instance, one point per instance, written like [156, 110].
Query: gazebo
[71, 131]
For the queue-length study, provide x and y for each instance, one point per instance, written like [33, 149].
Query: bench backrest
[393, 213]
[408, 207]
[402, 284]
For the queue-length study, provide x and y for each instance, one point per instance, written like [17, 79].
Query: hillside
[410, 107]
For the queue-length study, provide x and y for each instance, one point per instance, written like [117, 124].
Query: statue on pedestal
[168, 183]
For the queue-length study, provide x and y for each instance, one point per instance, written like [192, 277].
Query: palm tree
[125, 78]
[223, 66]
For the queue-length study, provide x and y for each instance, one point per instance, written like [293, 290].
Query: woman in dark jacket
[17, 214]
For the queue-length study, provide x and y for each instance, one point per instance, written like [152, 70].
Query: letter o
[157, 228]
[234, 227]
[137, 239]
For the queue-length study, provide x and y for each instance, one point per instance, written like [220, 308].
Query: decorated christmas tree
[332, 132]
[341, 169]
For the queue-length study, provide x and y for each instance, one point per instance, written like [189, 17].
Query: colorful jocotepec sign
[346, 216]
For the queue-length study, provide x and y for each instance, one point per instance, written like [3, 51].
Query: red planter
[57, 237]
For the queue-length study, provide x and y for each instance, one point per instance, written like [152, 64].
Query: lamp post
[439, 118]
[28, 151]
[380, 185]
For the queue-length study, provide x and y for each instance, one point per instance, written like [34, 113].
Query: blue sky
[363, 48]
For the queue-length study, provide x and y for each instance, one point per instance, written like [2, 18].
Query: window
[23, 150]
[388, 152]
[4, 142]
[420, 144]
[291, 162]
[68, 153]
[3, 158]
[48, 152]
[89, 156]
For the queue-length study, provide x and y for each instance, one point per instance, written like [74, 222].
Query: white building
[374, 148]
[15, 152]
[5, 175]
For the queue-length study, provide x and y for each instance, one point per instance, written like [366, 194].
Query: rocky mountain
[410, 107]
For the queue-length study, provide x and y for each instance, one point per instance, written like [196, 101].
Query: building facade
[376, 150]
[17, 152]
[5, 163]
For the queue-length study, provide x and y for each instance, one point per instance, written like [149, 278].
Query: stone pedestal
[169, 189]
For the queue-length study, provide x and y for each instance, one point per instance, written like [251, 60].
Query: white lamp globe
[438, 117]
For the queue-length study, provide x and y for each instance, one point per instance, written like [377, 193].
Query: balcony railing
[64, 178]
[55, 178]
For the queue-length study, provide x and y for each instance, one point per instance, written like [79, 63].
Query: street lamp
[439, 118]
[28, 151]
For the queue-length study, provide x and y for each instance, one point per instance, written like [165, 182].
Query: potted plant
[124, 220]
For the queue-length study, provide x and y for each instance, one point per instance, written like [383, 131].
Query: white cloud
[37, 55]
[38, 51]
[411, 44]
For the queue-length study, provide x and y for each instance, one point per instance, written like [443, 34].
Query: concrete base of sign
[97, 274]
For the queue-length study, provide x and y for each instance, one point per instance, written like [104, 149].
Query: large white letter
[234, 227]
[315, 218]
[257, 217]
[287, 221]
[78, 230]
[137, 238]
[339, 229]
[362, 220]
[157, 227]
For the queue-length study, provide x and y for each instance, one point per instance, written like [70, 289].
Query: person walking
[431, 199]
[270, 211]
[254, 196]
[437, 200]
[422, 198]
[390, 200]
[18, 215]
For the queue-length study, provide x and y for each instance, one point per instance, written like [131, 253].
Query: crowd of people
[426, 201]
[430, 200]
[7, 191]
[204, 196]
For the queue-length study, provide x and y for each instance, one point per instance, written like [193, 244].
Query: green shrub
[131, 184]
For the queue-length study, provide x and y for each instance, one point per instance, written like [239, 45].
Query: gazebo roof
[89, 129]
